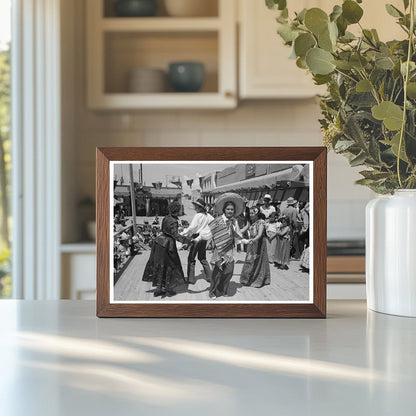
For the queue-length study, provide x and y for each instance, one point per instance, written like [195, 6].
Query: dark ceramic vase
[186, 76]
[135, 8]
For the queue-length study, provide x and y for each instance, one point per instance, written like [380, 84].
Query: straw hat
[200, 203]
[291, 201]
[236, 199]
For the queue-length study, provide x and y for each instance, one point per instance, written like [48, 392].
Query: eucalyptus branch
[373, 88]
[346, 75]
[406, 79]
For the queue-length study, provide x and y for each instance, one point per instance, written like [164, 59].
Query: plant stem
[346, 75]
[405, 81]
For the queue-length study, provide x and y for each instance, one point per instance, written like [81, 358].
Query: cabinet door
[265, 68]
[266, 71]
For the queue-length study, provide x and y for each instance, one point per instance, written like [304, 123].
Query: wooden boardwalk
[286, 285]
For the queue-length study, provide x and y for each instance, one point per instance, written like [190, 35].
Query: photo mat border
[268, 309]
[111, 208]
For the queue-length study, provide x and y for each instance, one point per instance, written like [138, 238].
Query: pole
[133, 200]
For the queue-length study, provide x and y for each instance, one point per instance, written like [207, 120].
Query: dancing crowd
[269, 235]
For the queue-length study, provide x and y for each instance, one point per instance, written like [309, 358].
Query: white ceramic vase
[391, 253]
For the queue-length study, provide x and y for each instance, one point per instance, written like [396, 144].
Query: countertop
[57, 358]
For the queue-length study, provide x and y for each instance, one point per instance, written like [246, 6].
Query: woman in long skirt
[256, 269]
[283, 245]
[271, 239]
[164, 267]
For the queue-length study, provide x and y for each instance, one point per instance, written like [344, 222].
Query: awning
[165, 193]
[292, 174]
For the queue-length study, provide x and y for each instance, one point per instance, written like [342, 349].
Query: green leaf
[351, 11]
[325, 42]
[319, 61]
[384, 62]
[287, 33]
[353, 131]
[391, 114]
[276, 4]
[365, 182]
[412, 67]
[374, 175]
[301, 15]
[363, 86]
[316, 20]
[347, 37]
[406, 4]
[303, 43]
[358, 61]
[375, 35]
[343, 145]
[359, 160]
[394, 143]
[393, 11]
[301, 63]
[374, 150]
[368, 36]
[333, 32]
[321, 79]
[336, 12]
[411, 90]
[344, 65]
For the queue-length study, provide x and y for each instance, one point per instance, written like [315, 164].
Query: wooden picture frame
[314, 158]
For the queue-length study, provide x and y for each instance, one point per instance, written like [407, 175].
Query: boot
[191, 273]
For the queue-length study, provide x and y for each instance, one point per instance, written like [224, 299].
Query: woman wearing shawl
[164, 267]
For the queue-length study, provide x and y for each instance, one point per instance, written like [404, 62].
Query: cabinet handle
[229, 94]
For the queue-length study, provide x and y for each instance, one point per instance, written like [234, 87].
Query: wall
[253, 123]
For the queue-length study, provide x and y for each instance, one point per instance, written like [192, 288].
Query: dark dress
[164, 267]
[256, 269]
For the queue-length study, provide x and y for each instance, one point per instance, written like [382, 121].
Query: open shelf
[160, 24]
[116, 46]
[127, 51]
[210, 9]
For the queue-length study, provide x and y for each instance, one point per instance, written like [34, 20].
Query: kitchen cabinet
[118, 45]
[265, 67]
[78, 271]
[265, 70]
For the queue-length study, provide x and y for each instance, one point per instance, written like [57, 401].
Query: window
[5, 159]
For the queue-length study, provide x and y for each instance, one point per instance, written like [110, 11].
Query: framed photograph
[211, 232]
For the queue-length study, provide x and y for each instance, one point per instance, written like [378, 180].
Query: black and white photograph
[200, 232]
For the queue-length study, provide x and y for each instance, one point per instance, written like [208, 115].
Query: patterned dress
[256, 269]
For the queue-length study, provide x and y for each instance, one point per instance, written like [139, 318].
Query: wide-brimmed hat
[267, 196]
[200, 203]
[236, 199]
[291, 201]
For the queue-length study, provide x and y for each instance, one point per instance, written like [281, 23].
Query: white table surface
[57, 358]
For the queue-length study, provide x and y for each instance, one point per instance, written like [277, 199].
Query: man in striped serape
[225, 232]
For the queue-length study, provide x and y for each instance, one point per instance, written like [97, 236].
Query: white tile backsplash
[257, 123]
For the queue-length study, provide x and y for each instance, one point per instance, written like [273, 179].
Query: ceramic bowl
[135, 8]
[186, 76]
[191, 8]
[147, 80]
